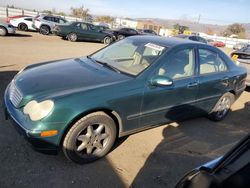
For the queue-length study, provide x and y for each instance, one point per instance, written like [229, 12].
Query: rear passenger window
[210, 62]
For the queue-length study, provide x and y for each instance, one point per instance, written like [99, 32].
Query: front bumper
[11, 30]
[21, 122]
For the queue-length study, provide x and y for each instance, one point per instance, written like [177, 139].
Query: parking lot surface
[153, 158]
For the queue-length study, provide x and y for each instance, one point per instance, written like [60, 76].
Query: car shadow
[21, 166]
[18, 35]
[189, 144]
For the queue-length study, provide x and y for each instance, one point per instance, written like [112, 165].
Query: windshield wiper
[105, 64]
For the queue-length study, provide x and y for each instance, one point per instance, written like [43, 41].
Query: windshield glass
[130, 56]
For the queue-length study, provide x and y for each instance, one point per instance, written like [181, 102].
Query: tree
[47, 12]
[105, 19]
[80, 12]
[209, 31]
[180, 28]
[236, 29]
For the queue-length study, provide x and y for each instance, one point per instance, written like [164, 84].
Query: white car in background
[23, 24]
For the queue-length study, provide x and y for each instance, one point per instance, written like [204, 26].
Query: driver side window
[181, 64]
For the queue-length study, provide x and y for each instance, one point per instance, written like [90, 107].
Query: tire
[3, 31]
[44, 30]
[120, 37]
[22, 27]
[72, 37]
[90, 138]
[222, 107]
[107, 40]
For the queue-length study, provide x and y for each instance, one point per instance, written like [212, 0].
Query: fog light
[49, 133]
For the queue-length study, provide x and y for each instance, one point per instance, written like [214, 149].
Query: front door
[169, 103]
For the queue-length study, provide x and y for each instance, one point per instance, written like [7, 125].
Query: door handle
[192, 84]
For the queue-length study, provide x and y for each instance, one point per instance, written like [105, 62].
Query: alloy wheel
[92, 140]
[223, 107]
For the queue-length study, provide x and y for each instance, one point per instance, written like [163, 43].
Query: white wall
[121, 22]
[14, 12]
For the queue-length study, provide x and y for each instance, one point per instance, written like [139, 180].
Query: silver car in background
[242, 56]
[6, 29]
[46, 23]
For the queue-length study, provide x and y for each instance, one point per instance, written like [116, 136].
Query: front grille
[15, 95]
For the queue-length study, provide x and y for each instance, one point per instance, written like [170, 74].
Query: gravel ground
[153, 158]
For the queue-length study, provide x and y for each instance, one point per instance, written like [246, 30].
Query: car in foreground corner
[242, 57]
[6, 29]
[75, 31]
[23, 23]
[229, 171]
[131, 85]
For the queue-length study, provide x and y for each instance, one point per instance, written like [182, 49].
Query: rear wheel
[72, 37]
[44, 29]
[90, 138]
[222, 107]
[3, 31]
[22, 27]
[107, 40]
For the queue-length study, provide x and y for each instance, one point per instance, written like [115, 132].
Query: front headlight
[37, 111]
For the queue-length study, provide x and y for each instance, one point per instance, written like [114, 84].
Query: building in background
[147, 24]
[125, 22]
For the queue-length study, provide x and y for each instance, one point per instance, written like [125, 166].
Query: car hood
[64, 77]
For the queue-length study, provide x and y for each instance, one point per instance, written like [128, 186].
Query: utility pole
[199, 17]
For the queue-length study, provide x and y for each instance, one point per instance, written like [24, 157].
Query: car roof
[163, 41]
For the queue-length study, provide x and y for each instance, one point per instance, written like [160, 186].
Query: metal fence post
[7, 12]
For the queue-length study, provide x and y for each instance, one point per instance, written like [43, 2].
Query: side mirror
[161, 81]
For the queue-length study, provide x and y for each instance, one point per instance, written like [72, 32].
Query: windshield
[129, 56]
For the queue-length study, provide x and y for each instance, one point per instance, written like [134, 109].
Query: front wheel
[120, 37]
[90, 138]
[222, 107]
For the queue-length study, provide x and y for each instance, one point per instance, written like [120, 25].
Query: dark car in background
[83, 105]
[124, 32]
[242, 56]
[192, 37]
[230, 171]
[75, 31]
[147, 32]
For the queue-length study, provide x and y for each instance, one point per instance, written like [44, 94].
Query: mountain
[195, 26]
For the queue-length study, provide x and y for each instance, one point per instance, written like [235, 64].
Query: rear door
[213, 78]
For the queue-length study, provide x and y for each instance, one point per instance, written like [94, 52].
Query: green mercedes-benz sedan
[83, 105]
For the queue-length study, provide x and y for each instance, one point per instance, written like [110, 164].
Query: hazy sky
[210, 11]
